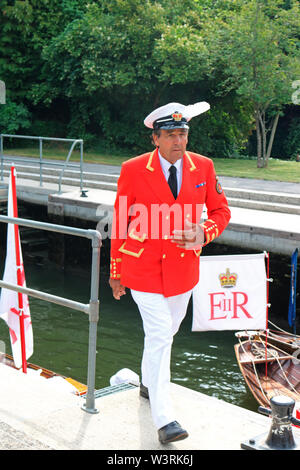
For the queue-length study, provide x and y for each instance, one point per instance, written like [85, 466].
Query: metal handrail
[41, 161]
[65, 165]
[92, 308]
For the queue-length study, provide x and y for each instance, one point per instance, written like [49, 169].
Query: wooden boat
[268, 370]
[282, 339]
[80, 389]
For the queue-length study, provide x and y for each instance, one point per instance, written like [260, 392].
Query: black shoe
[171, 432]
[144, 391]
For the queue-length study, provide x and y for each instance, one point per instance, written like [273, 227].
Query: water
[202, 361]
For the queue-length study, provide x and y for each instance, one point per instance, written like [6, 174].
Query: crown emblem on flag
[228, 279]
[177, 116]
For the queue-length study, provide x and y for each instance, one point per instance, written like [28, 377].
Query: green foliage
[47, 128]
[120, 60]
[257, 51]
[26, 26]
[293, 139]
[103, 50]
[183, 55]
[216, 134]
[13, 118]
[93, 70]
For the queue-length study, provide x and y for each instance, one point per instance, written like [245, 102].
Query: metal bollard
[280, 436]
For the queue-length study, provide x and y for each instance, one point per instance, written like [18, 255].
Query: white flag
[9, 301]
[231, 293]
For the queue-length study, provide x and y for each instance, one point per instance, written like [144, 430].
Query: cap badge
[177, 116]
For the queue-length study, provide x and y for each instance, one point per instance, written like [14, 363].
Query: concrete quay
[265, 214]
[37, 415]
[275, 232]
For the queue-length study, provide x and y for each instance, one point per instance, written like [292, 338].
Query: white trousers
[161, 317]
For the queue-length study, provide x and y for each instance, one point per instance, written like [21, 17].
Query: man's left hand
[191, 238]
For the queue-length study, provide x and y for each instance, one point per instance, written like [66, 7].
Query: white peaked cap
[187, 112]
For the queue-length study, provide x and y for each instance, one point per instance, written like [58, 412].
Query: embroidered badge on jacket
[218, 186]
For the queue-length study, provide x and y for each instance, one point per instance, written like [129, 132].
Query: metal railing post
[92, 309]
[41, 161]
[1, 155]
[65, 165]
[81, 170]
[93, 319]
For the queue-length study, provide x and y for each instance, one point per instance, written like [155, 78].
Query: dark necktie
[173, 180]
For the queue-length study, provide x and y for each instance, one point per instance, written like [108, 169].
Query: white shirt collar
[165, 164]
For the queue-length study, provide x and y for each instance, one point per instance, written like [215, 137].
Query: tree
[121, 59]
[26, 26]
[13, 117]
[257, 48]
[94, 69]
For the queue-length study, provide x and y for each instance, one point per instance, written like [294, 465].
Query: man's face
[172, 143]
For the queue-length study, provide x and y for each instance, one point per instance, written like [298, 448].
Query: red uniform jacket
[145, 214]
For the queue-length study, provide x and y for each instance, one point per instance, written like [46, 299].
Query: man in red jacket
[156, 241]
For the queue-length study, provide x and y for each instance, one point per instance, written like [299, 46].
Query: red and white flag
[231, 293]
[14, 306]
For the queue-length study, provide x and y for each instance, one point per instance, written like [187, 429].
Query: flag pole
[267, 311]
[293, 293]
[19, 268]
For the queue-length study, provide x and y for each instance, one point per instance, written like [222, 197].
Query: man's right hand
[117, 289]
